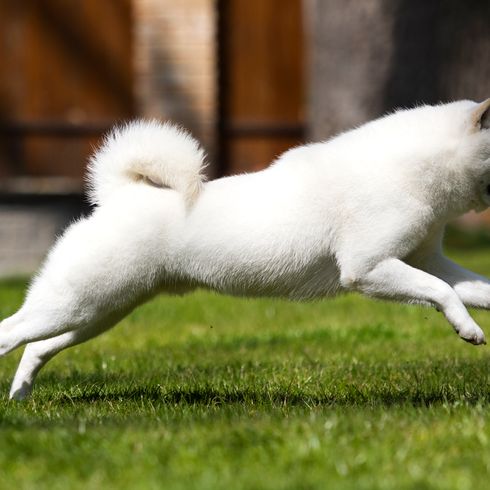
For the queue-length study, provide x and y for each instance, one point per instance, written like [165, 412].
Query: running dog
[364, 211]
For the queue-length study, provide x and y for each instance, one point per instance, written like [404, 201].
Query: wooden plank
[262, 80]
[63, 63]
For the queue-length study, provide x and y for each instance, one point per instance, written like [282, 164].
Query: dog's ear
[481, 115]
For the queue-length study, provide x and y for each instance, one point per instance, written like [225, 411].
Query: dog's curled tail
[150, 151]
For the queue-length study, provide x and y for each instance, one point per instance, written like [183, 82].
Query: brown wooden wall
[262, 81]
[65, 75]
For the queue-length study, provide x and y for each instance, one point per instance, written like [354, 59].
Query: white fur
[158, 152]
[363, 212]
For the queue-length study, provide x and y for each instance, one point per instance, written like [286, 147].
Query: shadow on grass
[120, 399]
[350, 395]
[417, 384]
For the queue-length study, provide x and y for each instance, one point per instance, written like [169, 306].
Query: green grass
[208, 392]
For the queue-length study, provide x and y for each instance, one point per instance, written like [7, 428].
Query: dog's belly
[317, 281]
[280, 277]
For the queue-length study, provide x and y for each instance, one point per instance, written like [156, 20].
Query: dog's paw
[473, 335]
[20, 392]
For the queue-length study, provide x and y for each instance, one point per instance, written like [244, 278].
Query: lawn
[209, 392]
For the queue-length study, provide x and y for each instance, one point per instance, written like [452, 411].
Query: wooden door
[65, 77]
[261, 81]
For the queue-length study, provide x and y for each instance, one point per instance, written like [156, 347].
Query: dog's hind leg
[37, 354]
[24, 331]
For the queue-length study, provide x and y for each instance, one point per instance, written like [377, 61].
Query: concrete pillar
[372, 56]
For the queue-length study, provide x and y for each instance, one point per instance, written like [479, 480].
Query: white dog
[363, 212]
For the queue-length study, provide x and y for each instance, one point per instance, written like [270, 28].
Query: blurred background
[249, 78]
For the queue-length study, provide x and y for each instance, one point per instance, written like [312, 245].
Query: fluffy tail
[158, 153]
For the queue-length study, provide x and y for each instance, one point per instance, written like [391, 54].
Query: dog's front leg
[473, 289]
[393, 279]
